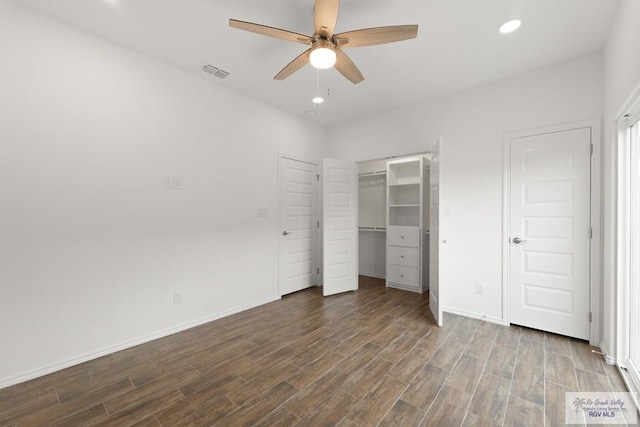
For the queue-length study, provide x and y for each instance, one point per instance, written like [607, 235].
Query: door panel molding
[595, 214]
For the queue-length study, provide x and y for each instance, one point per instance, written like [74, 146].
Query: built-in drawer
[403, 236]
[408, 276]
[408, 257]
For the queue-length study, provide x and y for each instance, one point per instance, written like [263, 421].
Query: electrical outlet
[177, 297]
[480, 288]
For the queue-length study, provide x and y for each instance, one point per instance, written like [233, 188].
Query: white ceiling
[458, 45]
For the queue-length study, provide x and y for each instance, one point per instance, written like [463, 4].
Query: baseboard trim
[106, 351]
[474, 315]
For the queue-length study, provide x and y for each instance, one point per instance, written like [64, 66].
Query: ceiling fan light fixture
[510, 26]
[317, 100]
[323, 56]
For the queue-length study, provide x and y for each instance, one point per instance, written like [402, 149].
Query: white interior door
[633, 361]
[340, 226]
[434, 233]
[298, 239]
[549, 248]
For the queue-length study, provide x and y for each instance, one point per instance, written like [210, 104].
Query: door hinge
[591, 233]
[591, 148]
[590, 317]
[318, 178]
[318, 224]
[318, 270]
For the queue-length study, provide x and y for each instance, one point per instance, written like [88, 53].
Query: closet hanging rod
[372, 173]
[372, 228]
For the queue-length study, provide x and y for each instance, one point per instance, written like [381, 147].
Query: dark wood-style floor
[372, 357]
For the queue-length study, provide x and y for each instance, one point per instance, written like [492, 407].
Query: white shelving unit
[405, 223]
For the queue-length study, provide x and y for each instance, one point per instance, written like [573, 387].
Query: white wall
[92, 246]
[621, 81]
[473, 123]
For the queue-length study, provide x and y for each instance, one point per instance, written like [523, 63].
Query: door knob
[286, 233]
[517, 240]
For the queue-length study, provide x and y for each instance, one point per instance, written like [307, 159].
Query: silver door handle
[286, 233]
[517, 240]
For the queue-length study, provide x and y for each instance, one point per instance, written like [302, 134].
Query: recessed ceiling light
[317, 100]
[510, 26]
[310, 113]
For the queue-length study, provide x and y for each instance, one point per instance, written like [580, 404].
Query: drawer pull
[401, 256]
[402, 275]
[402, 237]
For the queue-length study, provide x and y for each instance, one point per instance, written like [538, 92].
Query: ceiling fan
[326, 47]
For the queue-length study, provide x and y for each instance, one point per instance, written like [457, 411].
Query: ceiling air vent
[210, 69]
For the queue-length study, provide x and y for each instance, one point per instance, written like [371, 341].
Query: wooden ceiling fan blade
[326, 15]
[347, 68]
[377, 35]
[270, 31]
[293, 66]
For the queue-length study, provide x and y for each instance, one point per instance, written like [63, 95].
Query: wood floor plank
[374, 406]
[508, 337]
[204, 414]
[554, 408]
[402, 414]
[557, 344]
[79, 404]
[425, 387]
[311, 396]
[530, 352]
[261, 383]
[448, 354]
[490, 400]
[590, 381]
[560, 370]
[86, 417]
[261, 406]
[585, 359]
[308, 374]
[528, 383]
[279, 417]
[41, 403]
[448, 409]
[466, 374]
[209, 404]
[398, 348]
[362, 381]
[330, 411]
[521, 412]
[501, 362]
[416, 359]
[480, 344]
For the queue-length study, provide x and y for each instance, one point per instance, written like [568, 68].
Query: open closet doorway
[394, 223]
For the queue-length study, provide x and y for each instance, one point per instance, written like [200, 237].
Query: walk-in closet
[393, 221]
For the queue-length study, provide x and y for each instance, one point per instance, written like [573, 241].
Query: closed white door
[340, 226]
[549, 247]
[298, 237]
[434, 236]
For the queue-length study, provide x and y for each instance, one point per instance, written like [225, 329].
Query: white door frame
[596, 223]
[318, 243]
